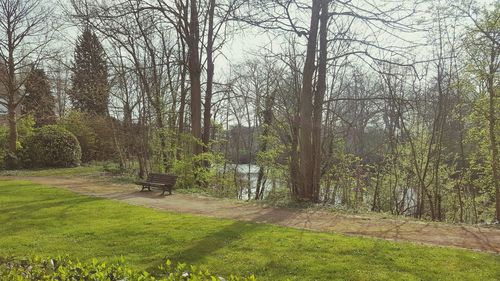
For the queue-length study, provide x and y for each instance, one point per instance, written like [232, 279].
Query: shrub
[65, 269]
[95, 134]
[25, 128]
[51, 146]
[206, 171]
[4, 134]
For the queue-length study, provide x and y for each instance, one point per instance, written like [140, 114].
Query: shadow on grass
[26, 215]
[28, 209]
[209, 245]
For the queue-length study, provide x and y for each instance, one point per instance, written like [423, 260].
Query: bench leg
[144, 187]
[167, 188]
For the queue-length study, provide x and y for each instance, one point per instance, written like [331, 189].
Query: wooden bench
[162, 181]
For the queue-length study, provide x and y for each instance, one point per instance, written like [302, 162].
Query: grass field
[84, 170]
[39, 220]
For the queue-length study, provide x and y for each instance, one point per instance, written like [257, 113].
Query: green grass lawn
[84, 170]
[96, 171]
[39, 220]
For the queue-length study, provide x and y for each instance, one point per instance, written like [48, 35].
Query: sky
[246, 43]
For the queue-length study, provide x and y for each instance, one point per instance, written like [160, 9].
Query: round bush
[51, 146]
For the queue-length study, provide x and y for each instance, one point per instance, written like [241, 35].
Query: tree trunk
[207, 113]
[319, 99]
[268, 120]
[195, 76]
[182, 104]
[495, 165]
[306, 162]
[11, 162]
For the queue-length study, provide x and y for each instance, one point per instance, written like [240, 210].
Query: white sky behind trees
[247, 43]
[251, 39]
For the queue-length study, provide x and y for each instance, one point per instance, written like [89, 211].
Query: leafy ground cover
[65, 269]
[45, 221]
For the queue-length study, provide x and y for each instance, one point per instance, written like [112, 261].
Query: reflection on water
[248, 174]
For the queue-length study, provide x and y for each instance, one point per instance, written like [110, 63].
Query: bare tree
[24, 38]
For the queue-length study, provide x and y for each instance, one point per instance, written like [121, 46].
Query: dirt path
[476, 238]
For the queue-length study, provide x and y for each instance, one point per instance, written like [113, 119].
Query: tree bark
[319, 99]
[207, 113]
[182, 104]
[12, 94]
[268, 120]
[195, 76]
[495, 165]
[306, 162]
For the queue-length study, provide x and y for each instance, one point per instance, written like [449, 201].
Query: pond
[249, 176]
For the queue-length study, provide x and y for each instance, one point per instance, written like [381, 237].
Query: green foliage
[25, 129]
[95, 134]
[65, 269]
[205, 171]
[90, 91]
[479, 174]
[344, 182]
[51, 146]
[4, 134]
[163, 157]
[270, 158]
[482, 81]
[38, 100]
[275, 171]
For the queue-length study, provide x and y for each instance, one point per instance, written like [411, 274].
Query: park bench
[162, 181]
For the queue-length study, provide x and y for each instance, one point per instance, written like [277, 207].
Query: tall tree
[207, 114]
[38, 98]
[24, 38]
[484, 53]
[90, 87]
[306, 161]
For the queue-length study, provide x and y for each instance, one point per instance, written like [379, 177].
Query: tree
[90, 87]
[24, 38]
[287, 16]
[484, 53]
[306, 161]
[192, 38]
[38, 98]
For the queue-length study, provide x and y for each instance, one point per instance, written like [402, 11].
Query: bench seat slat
[163, 181]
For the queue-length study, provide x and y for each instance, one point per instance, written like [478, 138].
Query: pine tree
[90, 88]
[38, 99]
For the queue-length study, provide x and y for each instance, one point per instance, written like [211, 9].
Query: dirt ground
[469, 237]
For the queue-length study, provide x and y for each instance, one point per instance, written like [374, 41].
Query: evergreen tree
[38, 99]
[90, 88]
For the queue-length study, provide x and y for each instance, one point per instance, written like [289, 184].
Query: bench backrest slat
[162, 178]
